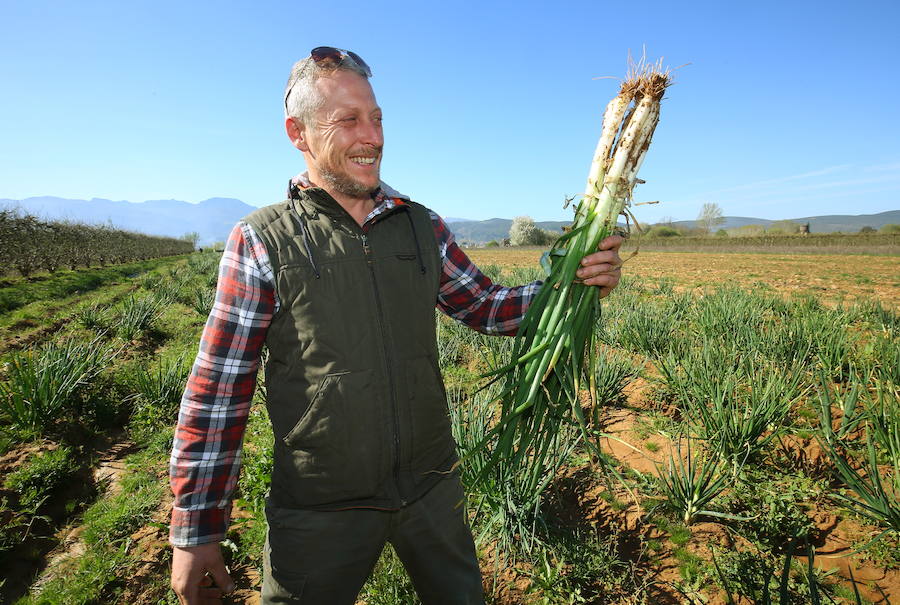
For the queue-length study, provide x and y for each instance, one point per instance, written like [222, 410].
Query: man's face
[345, 139]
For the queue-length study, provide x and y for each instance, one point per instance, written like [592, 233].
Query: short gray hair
[301, 97]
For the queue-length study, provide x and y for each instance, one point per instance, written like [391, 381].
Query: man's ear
[296, 132]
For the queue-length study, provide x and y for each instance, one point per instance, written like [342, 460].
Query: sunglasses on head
[324, 55]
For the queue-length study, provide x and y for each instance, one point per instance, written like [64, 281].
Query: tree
[524, 232]
[193, 237]
[710, 217]
[783, 227]
[663, 231]
[889, 228]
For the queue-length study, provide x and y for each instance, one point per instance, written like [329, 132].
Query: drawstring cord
[304, 230]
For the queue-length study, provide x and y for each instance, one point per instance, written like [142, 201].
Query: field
[829, 277]
[765, 382]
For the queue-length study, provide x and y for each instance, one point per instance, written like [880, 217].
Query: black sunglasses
[329, 54]
[324, 54]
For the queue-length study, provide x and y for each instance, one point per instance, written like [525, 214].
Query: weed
[679, 535]
[112, 519]
[42, 476]
[689, 564]
[775, 517]
[389, 584]
[550, 584]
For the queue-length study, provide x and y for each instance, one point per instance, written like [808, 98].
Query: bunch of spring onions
[554, 346]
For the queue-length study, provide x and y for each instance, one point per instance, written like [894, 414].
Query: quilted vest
[353, 387]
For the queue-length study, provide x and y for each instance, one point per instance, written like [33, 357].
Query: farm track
[105, 475]
[16, 334]
[55, 552]
[45, 553]
[26, 337]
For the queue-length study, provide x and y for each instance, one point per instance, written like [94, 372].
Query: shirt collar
[386, 197]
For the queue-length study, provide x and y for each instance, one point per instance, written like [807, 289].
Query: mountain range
[214, 218]
[497, 228]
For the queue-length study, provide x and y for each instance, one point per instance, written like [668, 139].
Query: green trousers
[324, 557]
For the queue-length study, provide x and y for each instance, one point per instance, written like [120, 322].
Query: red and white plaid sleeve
[468, 295]
[206, 455]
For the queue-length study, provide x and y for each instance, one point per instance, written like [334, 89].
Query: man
[340, 282]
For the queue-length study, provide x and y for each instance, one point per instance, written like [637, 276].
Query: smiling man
[339, 282]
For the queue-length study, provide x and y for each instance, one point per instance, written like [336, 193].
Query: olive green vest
[353, 386]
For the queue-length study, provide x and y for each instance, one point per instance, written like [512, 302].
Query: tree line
[29, 244]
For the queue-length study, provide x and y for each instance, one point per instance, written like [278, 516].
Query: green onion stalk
[555, 343]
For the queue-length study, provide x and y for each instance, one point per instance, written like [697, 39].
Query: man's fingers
[608, 257]
[603, 280]
[222, 579]
[187, 589]
[199, 575]
[612, 242]
[587, 272]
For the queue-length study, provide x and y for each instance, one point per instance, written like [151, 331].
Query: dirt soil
[830, 278]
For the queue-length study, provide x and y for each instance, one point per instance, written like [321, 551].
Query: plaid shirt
[206, 455]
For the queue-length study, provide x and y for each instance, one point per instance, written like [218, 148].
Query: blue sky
[787, 109]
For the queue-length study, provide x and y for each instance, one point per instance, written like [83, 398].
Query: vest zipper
[370, 263]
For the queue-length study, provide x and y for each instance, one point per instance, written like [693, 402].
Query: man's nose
[372, 133]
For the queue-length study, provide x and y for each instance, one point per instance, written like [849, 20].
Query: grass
[750, 334]
[101, 571]
[42, 476]
[16, 293]
[154, 384]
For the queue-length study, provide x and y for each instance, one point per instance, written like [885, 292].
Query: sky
[781, 109]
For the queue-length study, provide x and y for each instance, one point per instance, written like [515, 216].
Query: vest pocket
[314, 413]
[337, 443]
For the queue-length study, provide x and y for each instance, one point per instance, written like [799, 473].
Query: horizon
[756, 123]
[447, 218]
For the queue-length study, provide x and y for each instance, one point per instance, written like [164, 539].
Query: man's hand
[190, 581]
[604, 268]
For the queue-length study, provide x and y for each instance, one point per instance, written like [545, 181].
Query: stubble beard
[345, 184]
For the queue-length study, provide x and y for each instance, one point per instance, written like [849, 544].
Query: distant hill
[845, 223]
[213, 219]
[481, 232]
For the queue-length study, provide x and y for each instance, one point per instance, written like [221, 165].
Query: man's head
[332, 117]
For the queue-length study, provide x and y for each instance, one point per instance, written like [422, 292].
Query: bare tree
[710, 217]
[191, 236]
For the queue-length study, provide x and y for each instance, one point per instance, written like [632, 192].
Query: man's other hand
[199, 576]
[604, 268]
